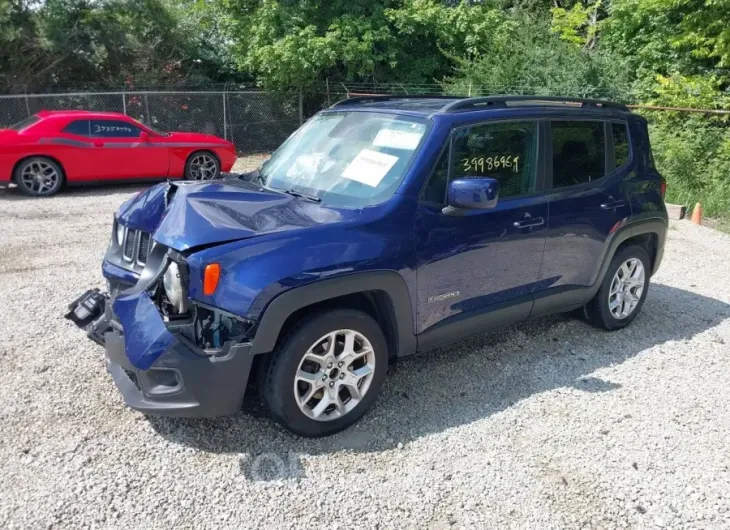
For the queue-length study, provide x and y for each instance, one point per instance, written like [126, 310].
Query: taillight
[663, 188]
[211, 275]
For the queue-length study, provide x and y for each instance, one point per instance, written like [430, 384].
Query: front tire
[202, 165]
[38, 176]
[326, 373]
[623, 290]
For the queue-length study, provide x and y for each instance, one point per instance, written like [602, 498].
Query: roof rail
[372, 98]
[504, 101]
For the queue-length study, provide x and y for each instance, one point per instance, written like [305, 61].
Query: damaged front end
[166, 353]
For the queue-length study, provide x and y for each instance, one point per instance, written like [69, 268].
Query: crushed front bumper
[157, 370]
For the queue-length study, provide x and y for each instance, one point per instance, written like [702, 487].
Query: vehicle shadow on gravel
[462, 383]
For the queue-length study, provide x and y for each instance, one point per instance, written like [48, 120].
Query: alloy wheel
[39, 177]
[203, 167]
[627, 287]
[334, 375]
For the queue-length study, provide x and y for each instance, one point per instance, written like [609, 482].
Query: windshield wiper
[302, 195]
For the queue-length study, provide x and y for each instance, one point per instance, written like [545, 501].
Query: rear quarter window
[620, 143]
[78, 127]
[24, 124]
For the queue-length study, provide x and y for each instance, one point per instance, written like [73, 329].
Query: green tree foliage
[532, 59]
[679, 51]
[103, 42]
[298, 43]
[579, 24]
[694, 157]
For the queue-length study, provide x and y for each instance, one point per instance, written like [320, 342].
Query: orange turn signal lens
[210, 278]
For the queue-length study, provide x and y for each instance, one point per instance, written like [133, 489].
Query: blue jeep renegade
[381, 228]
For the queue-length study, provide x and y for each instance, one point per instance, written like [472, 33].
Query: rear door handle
[613, 205]
[529, 223]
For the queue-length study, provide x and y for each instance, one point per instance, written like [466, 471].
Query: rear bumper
[181, 381]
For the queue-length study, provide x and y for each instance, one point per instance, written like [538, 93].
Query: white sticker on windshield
[397, 139]
[369, 167]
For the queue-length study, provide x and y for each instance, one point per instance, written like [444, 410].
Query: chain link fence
[255, 121]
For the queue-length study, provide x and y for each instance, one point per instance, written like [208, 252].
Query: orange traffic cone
[697, 214]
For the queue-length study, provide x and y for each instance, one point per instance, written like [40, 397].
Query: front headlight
[120, 233]
[172, 283]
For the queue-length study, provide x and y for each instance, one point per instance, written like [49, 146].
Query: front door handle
[530, 222]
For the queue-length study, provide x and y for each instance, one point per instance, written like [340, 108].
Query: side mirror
[474, 193]
[143, 136]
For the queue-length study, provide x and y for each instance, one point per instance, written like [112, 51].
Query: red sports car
[51, 148]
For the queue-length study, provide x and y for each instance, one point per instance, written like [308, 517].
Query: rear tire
[623, 290]
[314, 384]
[202, 165]
[38, 176]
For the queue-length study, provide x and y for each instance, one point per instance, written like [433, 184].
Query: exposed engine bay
[207, 327]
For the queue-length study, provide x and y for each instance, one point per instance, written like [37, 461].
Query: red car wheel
[202, 165]
[38, 176]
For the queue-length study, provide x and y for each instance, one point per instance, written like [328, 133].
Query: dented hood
[185, 215]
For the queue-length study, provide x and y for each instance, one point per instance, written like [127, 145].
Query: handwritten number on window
[110, 129]
[491, 162]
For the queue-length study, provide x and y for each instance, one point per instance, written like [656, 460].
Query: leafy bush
[694, 157]
[534, 60]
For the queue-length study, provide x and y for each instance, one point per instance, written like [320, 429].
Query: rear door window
[113, 129]
[579, 152]
[78, 127]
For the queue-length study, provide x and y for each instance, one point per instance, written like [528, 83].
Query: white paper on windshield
[397, 139]
[369, 167]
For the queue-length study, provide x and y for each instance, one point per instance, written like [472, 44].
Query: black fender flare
[285, 304]
[657, 226]
[652, 225]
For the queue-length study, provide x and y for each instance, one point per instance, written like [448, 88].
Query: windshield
[347, 159]
[27, 122]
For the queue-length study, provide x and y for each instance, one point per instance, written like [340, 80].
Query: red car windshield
[27, 122]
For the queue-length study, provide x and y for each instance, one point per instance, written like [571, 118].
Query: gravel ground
[549, 424]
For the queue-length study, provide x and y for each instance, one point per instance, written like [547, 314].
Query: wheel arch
[198, 151]
[648, 233]
[13, 174]
[381, 294]
[649, 241]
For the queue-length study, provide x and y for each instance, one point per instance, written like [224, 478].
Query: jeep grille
[136, 246]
